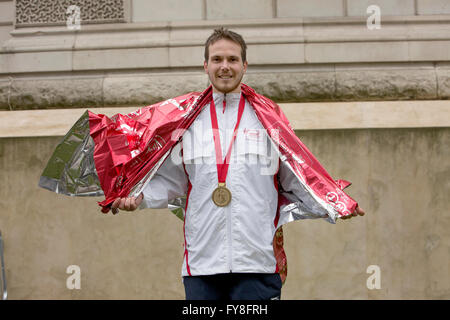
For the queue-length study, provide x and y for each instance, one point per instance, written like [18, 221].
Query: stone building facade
[365, 82]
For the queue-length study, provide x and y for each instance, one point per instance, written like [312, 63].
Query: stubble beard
[224, 88]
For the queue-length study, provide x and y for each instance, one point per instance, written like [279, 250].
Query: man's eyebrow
[219, 56]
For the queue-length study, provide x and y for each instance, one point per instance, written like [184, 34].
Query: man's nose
[224, 65]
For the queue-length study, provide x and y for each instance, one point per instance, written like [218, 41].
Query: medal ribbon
[222, 166]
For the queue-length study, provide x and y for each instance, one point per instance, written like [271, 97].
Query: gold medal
[221, 195]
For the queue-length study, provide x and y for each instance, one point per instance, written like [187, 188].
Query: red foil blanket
[118, 156]
[128, 147]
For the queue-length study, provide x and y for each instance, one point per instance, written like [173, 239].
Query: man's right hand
[127, 204]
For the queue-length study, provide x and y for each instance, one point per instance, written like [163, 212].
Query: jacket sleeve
[168, 183]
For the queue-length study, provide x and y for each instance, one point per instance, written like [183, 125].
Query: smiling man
[231, 214]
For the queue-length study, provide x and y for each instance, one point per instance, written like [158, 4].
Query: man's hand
[127, 204]
[358, 211]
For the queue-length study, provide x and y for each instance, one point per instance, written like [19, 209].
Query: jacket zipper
[228, 209]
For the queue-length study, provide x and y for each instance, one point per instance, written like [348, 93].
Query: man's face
[225, 67]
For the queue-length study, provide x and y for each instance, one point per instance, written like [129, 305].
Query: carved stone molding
[54, 12]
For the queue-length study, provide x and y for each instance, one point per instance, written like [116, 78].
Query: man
[231, 201]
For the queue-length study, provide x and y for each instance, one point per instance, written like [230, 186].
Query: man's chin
[227, 88]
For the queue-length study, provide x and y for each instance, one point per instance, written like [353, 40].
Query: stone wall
[156, 10]
[6, 19]
[297, 51]
[289, 61]
[335, 83]
[400, 177]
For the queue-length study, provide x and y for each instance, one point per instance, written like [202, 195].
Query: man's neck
[226, 95]
[237, 90]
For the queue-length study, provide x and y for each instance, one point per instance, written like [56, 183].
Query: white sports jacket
[238, 237]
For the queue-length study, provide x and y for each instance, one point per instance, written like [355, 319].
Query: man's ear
[205, 66]
[245, 66]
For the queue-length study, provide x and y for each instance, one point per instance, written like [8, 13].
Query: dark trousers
[233, 286]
